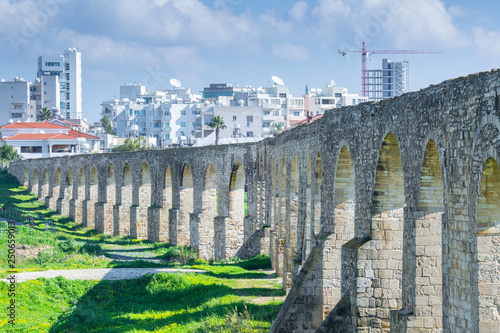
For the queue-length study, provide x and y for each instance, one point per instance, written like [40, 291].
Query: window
[282, 95]
[63, 85]
[167, 113]
[166, 124]
[353, 101]
[296, 114]
[234, 118]
[249, 134]
[283, 106]
[67, 76]
[67, 85]
[143, 112]
[67, 106]
[31, 149]
[328, 101]
[183, 112]
[156, 125]
[166, 136]
[338, 95]
[67, 66]
[183, 124]
[249, 119]
[53, 64]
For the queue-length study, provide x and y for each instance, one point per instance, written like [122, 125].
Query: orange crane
[364, 57]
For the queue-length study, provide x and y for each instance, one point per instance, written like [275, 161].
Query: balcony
[268, 107]
[268, 118]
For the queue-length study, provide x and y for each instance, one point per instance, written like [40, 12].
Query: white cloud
[487, 42]
[299, 11]
[289, 51]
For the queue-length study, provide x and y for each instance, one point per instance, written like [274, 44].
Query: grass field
[232, 297]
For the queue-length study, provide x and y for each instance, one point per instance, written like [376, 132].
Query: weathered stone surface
[387, 212]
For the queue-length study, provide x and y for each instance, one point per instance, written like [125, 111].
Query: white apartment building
[61, 83]
[173, 117]
[268, 106]
[317, 101]
[390, 81]
[15, 102]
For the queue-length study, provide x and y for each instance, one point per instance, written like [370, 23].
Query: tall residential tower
[62, 75]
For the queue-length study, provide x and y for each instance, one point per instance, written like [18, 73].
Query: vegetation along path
[72, 279]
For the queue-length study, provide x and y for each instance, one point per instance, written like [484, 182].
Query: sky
[245, 42]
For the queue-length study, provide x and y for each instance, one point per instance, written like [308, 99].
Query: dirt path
[100, 273]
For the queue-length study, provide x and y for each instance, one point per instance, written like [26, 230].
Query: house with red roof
[47, 139]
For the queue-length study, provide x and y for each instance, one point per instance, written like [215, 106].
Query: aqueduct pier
[379, 217]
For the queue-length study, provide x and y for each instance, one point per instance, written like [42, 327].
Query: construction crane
[365, 53]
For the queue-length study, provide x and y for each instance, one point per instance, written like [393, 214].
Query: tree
[45, 114]
[106, 126]
[217, 123]
[8, 153]
[131, 145]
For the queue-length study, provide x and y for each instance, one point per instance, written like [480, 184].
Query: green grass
[233, 296]
[159, 303]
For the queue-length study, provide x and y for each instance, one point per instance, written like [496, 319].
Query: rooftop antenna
[176, 83]
[278, 81]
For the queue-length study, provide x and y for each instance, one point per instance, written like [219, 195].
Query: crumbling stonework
[379, 217]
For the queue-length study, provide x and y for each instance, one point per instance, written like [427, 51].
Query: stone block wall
[379, 217]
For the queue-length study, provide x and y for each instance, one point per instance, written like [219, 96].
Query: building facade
[390, 81]
[61, 80]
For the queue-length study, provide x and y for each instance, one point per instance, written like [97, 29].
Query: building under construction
[390, 81]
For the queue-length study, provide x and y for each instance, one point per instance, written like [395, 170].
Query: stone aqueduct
[379, 217]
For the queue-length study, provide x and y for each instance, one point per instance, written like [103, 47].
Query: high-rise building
[68, 84]
[390, 81]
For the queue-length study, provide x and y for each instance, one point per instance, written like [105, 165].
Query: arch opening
[186, 206]
[488, 248]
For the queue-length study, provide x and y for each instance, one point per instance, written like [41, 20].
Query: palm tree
[45, 114]
[217, 123]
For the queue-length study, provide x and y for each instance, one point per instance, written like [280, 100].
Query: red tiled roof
[78, 134]
[41, 125]
[54, 136]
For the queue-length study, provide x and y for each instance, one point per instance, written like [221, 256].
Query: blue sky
[244, 42]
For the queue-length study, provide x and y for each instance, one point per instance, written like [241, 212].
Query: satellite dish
[241, 102]
[134, 128]
[332, 82]
[277, 80]
[11, 121]
[176, 83]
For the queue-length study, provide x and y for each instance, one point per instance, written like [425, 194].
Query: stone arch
[281, 221]
[316, 211]
[166, 206]
[186, 206]
[66, 193]
[79, 196]
[309, 225]
[344, 199]
[122, 217]
[26, 177]
[110, 200]
[34, 182]
[92, 198]
[386, 244]
[427, 292]
[487, 272]
[44, 191]
[144, 201]
[235, 223]
[292, 223]
[210, 211]
[56, 189]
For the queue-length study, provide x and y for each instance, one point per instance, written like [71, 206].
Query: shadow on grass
[157, 301]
